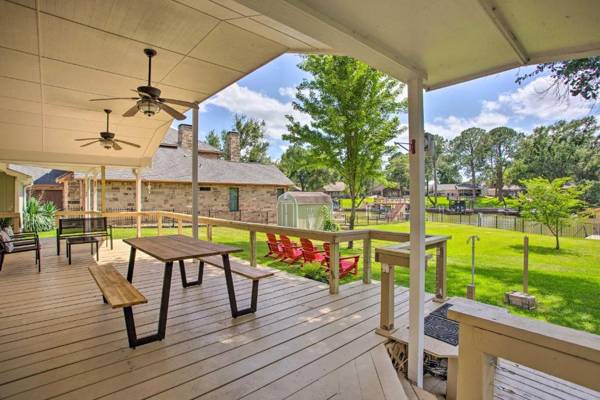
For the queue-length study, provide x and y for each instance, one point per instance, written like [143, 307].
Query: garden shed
[303, 209]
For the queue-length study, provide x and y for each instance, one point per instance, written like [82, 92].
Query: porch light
[148, 107]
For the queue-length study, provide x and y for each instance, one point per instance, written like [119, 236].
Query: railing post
[209, 233]
[386, 320]
[367, 260]
[159, 221]
[180, 226]
[253, 248]
[334, 270]
[477, 369]
[441, 278]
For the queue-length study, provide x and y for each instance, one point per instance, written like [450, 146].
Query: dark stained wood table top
[178, 247]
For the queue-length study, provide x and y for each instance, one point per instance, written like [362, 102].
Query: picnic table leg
[164, 301]
[184, 282]
[231, 291]
[131, 264]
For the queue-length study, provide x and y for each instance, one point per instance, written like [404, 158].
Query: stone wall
[256, 203]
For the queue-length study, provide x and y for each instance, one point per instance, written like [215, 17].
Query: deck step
[415, 393]
[388, 377]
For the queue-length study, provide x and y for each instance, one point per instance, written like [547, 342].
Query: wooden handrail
[485, 336]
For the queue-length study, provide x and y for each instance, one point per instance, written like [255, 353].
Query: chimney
[232, 146]
[184, 136]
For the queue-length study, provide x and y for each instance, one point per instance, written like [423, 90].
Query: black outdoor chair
[22, 243]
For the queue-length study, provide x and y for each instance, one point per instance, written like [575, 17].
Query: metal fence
[578, 229]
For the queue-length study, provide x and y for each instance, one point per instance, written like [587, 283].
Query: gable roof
[334, 187]
[174, 165]
[40, 176]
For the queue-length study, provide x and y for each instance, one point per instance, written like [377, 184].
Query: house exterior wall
[256, 203]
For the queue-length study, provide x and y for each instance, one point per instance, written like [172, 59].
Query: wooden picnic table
[169, 249]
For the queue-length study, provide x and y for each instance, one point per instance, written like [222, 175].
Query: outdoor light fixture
[148, 107]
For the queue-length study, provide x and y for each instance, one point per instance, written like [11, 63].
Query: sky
[495, 100]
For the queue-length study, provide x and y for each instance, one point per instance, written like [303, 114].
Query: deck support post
[441, 286]
[416, 135]
[195, 172]
[386, 318]
[334, 272]
[253, 248]
[138, 201]
[367, 260]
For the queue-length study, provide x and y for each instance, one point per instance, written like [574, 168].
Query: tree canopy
[254, 146]
[298, 164]
[354, 112]
[468, 149]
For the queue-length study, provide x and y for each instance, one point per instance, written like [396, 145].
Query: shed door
[7, 192]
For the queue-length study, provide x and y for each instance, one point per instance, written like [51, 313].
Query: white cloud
[242, 100]
[288, 91]
[451, 126]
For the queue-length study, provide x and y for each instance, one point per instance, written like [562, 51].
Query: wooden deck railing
[335, 238]
[485, 336]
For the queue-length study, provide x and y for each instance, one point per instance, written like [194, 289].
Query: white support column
[195, 172]
[138, 200]
[416, 136]
[103, 188]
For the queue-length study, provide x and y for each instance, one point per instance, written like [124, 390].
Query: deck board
[58, 340]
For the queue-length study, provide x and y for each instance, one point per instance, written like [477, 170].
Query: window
[204, 189]
[234, 199]
[280, 191]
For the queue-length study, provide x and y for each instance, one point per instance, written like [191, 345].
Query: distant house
[335, 189]
[456, 191]
[227, 188]
[507, 190]
[388, 191]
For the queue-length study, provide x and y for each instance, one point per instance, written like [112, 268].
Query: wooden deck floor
[58, 340]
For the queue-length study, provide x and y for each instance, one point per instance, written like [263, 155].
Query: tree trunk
[499, 184]
[473, 191]
[352, 216]
[435, 191]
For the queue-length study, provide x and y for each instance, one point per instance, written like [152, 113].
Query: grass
[566, 282]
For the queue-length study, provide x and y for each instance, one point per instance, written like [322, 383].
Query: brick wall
[256, 203]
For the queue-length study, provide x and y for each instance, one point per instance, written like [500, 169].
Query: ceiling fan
[107, 138]
[149, 101]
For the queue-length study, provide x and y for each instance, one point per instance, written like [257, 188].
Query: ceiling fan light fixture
[148, 107]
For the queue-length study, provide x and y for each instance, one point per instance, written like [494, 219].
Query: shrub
[315, 272]
[328, 223]
[38, 217]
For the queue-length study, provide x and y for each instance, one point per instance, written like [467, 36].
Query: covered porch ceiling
[56, 55]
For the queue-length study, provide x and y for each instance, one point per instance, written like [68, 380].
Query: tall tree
[354, 111]
[468, 150]
[254, 146]
[298, 164]
[397, 171]
[552, 203]
[580, 76]
[432, 161]
[502, 143]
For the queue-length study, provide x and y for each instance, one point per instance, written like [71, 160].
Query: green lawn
[566, 282]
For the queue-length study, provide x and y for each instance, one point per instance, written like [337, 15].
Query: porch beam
[138, 200]
[416, 135]
[491, 9]
[195, 172]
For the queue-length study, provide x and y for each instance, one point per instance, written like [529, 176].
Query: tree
[581, 76]
[297, 163]
[432, 161]
[397, 171]
[468, 150]
[254, 146]
[502, 143]
[552, 203]
[354, 114]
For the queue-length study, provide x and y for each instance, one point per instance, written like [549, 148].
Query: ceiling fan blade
[172, 112]
[116, 146]
[128, 143]
[131, 112]
[178, 102]
[87, 144]
[115, 98]
[89, 138]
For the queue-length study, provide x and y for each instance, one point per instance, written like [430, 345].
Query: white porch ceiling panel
[55, 55]
[444, 41]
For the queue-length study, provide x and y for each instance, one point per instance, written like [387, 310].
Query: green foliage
[315, 272]
[468, 149]
[328, 223]
[254, 146]
[301, 166]
[4, 222]
[396, 171]
[581, 76]
[501, 145]
[552, 203]
[346, 204]
[354, 115]
[38, 217]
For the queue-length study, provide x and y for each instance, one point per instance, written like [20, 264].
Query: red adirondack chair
[291, 251]
[311, 253]
[275, 248]
[347, 264]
